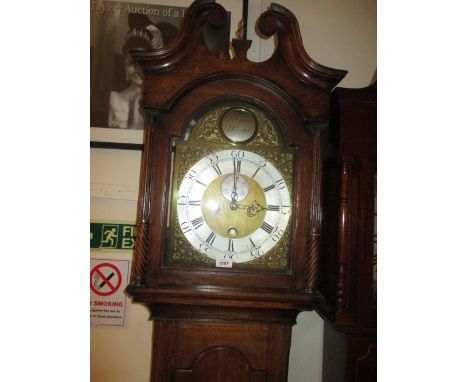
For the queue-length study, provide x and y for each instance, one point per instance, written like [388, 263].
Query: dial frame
[172, 133]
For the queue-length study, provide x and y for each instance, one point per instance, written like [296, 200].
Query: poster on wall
[115, 82]
[108, 302]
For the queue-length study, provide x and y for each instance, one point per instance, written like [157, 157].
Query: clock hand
[234, 204]
[254, 208]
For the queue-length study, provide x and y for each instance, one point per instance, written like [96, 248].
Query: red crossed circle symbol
[106, 276]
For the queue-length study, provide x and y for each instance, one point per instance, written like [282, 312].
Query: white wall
[341, 34]
[118, 354]
[335, 33]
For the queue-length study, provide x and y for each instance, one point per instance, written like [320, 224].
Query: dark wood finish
[250, 351]
[358, 140]
[343, 234]
[221, 324]
[116, 146]
[142, 233]
[347, 269]
[300, 102]
[186, 63]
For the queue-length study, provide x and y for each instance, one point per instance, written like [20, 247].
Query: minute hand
[235, 175]
[234, 204]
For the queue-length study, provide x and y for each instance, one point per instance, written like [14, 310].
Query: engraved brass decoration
[210, 130]
[207, 137]
[238, 125]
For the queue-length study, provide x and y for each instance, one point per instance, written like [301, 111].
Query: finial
[241, 32]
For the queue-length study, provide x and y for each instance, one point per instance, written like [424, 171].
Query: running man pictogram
[109, 236]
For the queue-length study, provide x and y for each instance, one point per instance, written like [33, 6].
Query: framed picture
[116, 120]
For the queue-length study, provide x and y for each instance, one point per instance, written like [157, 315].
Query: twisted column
[140, 258]
[313, 239]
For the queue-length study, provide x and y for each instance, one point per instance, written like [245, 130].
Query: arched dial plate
[233, 204]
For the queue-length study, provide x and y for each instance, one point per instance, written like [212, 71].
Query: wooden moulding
[183, 77]
[186, 62]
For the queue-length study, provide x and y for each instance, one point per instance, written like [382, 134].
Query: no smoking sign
[105, 279]
[108, 280]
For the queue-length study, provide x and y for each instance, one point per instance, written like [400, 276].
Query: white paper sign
[109, 278]
[224, 263]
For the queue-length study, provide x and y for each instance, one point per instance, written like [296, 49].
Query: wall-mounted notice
[112, 236]
[109, 278]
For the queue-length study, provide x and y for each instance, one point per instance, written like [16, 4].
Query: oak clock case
[232, 185]
[231, 168]
[229, 213]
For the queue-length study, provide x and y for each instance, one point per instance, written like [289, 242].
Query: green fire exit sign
[112, 236]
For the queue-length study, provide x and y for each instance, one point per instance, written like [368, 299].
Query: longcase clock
[229, 216]
[347, 271]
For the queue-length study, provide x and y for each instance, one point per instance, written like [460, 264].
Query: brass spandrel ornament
[188, 155]
[258, 129]
[207, 129]
[283, 161]
[232, 192]
[266, 132]
[185, 254]
[278, 257]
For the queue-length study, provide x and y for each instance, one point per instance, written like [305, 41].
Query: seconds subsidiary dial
[233, 204]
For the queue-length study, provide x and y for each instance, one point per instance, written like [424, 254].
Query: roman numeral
[255, 173]
[272, 208]
[211, 238]
[198, 222]
[186, 227]
[203, 184]
[260, 165]
[285, 210]
[266, 227]
[216, 169]
[194, 202]
[251, 242]
[269, 188]
[280, 184]
[231, 246]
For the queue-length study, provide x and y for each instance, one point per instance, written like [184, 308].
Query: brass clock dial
[232, 187]
[233, 204]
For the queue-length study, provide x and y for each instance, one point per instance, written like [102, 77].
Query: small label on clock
[224, 263]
